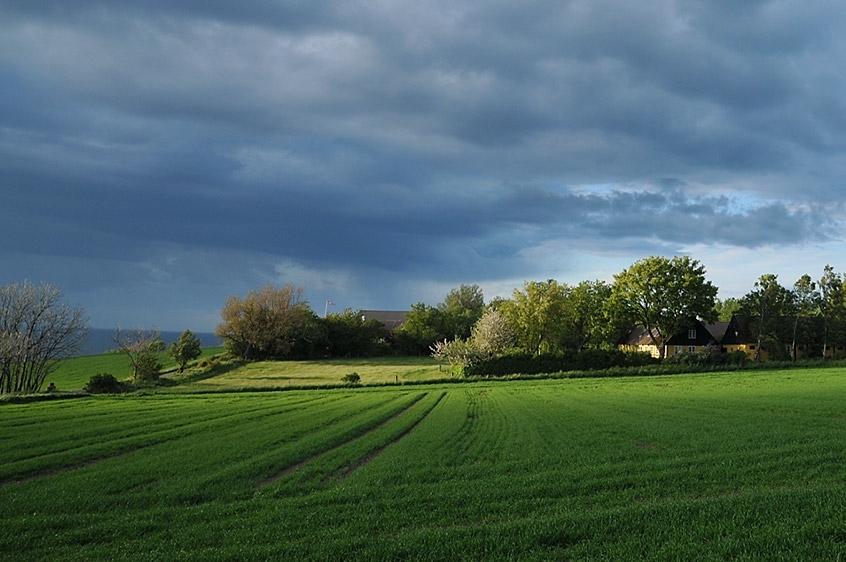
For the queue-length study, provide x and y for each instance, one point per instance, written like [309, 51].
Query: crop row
[708, 467]
[111, 427]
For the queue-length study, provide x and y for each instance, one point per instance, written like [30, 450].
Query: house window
[752, 346]
[678, 349]
[691, 334]
[691, 349]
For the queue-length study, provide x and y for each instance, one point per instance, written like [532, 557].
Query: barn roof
[391, 319]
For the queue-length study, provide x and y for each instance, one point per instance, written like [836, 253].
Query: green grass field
[282, 374]
[74, 373]
[741, 466]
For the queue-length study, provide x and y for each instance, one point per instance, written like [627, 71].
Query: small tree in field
[185, 349]
[140, 346]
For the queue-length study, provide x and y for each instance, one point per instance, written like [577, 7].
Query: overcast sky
[159, 156]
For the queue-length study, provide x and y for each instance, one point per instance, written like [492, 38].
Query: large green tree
[663, 295]
[348, 335]
[805, 304]
[451, 319]
[726, 308]
[589, 326]
[538, 314]
[424, 325]
[831, 304]
[461, 309]
[768, 304]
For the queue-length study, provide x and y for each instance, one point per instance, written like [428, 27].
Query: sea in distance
[102, 340]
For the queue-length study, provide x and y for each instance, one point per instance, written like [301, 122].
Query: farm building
[695, 339]
[391, 319]
[802, 338]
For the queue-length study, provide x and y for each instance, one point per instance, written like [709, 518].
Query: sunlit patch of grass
[74, 373]
[278, 374]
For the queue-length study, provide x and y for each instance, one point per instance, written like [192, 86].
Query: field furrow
[715, 467]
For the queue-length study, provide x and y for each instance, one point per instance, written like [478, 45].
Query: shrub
[148, 368]
[205, 363]
[351, 379]
[584, 360]
[103, 383]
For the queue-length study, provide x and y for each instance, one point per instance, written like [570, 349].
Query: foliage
[709, 357]
[492, 334]
[538, 316]
[266, 323]
[587, 309]
[147, 368]
[351, 378]
[310, 338]
[423, 326]
[452, 319]
[461, 309]
[767, 305]
[570, 360]
[38, 331]
[458, 353]
[348, 336]
[726, 308]
[549, 317]
[141, 347]
[663, 295]
[187, 348]
[104, 383]
[805, 299]
[831, 304]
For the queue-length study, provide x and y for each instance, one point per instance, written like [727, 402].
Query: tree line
[809, 315]
[543, 317]
[38, 329]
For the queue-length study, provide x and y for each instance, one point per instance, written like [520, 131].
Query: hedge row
[584, 360]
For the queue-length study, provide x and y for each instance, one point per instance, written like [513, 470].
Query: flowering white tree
[492, 335]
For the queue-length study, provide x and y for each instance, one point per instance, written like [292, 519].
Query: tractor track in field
[64, 469]
[374, 454]
[298, 466]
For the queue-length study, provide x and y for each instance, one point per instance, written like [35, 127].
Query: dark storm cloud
[431, 140]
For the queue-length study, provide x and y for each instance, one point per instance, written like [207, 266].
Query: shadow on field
[216, 369]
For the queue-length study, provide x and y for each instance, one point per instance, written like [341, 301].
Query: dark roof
[701, 336]
[738, 331]
[391, 319]
[639, 336]
[718, 329]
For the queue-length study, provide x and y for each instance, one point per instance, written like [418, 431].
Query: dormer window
[691, 334]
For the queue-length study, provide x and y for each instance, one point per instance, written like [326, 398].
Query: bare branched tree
[140, 346]
[38, 330]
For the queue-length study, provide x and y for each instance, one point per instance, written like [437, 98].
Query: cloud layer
[156, 157]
